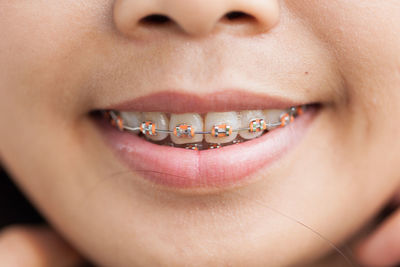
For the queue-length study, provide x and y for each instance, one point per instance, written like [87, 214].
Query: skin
[61, 60]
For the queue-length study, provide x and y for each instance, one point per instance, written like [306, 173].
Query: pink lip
[183, 169]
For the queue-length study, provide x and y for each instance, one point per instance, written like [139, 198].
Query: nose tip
[195, 17]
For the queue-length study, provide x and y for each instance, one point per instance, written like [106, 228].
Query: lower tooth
[214, 146]
[237, 141]
[161, 121]
[193, 147]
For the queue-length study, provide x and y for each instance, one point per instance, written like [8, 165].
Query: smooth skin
[60, 60]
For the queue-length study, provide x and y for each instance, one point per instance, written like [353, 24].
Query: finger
[34, 246]
[382, 248]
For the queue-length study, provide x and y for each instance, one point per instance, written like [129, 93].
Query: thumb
[35, 246]
[382, 247]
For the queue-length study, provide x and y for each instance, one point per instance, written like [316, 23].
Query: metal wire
[115, 117]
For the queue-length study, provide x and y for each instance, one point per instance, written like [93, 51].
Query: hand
[382, 247]
[35, 246]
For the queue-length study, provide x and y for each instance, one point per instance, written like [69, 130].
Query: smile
[199, 132]
[214, 149]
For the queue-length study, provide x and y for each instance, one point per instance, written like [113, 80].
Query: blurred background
[14, 207]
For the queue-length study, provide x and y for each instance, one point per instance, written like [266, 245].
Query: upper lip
[182, 102]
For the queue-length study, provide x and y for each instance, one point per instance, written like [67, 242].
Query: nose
[195, 17]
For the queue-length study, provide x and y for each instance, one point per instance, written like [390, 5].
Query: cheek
[43, 82]
[364, 38]
[43, 47]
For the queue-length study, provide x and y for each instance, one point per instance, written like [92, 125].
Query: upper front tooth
[273, 116]
[246, 117]
[224, 121]
[160, 120]
[187, 124]
[132, 119]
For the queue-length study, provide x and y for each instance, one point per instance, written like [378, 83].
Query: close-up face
[202, 133]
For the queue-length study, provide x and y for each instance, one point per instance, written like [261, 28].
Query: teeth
[246, 117]
[221, 120]
[223, 126]
[187, 121]
[160, 120]
[273, 116]
[132, 119]
[192, 147]
[214, 146]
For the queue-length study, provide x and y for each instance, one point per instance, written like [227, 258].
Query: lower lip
[226, 167]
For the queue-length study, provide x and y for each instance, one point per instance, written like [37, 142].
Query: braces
[184, 130]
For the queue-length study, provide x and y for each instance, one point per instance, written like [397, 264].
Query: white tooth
[132, 119]
[217, 118]
[246, 117]
[161, 121]
[192, 119]
[273, 116]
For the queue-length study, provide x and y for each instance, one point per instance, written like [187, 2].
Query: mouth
[217, 141]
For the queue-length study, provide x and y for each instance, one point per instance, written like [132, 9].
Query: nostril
[155, 19]
[238, 16]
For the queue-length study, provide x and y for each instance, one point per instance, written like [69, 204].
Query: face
[129, 199]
